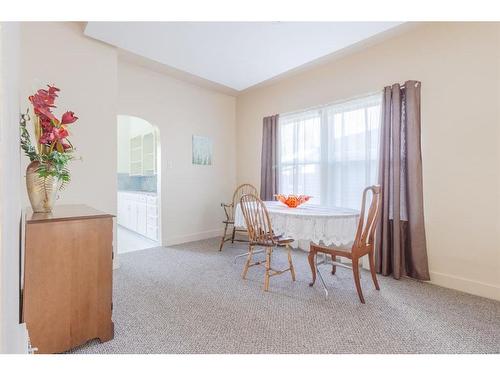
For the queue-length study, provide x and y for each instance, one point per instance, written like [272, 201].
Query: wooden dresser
[68, 273]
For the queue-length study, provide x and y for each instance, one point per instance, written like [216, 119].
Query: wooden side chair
[260, 234]
[363, 244]
[229, 212]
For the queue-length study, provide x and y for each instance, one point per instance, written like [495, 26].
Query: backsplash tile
[136, 183]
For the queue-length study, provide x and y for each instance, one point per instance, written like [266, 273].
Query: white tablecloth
[309, 222]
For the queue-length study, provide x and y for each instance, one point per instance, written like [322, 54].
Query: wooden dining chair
[363, 244]
[260, 234]
[229, 212]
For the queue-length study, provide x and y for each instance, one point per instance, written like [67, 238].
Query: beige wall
[458, 65]
[93, 83]
[191, 194]
[85, 71]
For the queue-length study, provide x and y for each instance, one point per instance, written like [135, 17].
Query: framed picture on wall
[202, 150]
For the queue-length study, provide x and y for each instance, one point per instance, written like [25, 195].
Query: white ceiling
[234, 54]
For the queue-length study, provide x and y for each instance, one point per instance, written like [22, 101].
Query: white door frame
[13, 335]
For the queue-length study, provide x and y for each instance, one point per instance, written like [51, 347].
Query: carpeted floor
[190, 299]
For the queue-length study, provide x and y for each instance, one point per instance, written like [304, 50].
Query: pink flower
[68, 118]
[61, 133]
[47, 138]
[42, 103]
[54, 134]
[53, 90]
[53, 131]
[46, 123]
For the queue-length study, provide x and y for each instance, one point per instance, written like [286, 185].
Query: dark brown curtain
[400, 241]
[268, 178]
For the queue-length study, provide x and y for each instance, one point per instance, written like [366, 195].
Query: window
[330, 152]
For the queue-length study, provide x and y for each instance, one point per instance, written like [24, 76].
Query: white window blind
[330, 152]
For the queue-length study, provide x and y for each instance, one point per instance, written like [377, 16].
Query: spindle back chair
[363, 244]
[260, 234]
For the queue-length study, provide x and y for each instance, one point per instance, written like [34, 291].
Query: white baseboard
[193, 237]
[466, 285]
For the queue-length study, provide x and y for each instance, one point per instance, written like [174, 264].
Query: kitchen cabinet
[143, 155]
[138, 211]
[136, 156]
[141, 218]
[148, 155]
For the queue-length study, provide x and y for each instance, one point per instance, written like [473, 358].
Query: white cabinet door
[136, 156]
[126, 212]
[142, 218]
[152, 210]
[152, 232]
[126, 217]
[120, 211]
[139, 213]
[148, 154]
[132, 215]
[152, 201]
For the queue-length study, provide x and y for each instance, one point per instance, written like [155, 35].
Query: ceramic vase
[42, 191]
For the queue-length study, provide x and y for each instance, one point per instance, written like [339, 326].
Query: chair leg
[310, 258]
[290, 263]
[371, 257]
[232, 236]
[223, 238]
[268, 268]
[355, 271]
[247, 264]
[334, 267]
[325, 289]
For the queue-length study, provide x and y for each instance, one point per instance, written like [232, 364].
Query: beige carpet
[190, 299]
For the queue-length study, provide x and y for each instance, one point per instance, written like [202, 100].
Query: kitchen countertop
[148, 193]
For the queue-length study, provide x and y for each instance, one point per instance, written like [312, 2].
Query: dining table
[309, 223]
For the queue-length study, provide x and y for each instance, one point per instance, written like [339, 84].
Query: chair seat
[276, 241]
[342, 250]
[285, 240]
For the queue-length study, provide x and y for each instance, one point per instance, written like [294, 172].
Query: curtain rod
[341, 101]
[404, 86]
[331, 103]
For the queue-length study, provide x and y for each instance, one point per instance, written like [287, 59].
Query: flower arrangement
[48, 172]
[53, 149]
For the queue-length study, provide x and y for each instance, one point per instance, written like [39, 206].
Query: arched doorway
[138, 184]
